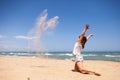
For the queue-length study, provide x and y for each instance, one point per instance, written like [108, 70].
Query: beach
[37, 68]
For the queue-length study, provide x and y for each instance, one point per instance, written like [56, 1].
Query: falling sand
[41, 26]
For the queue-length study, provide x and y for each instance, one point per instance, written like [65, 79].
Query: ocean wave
[90, 55]
[58, 54]
[68, 54]
[61, 54]
[112, 55]
[2, 53]
[48, 54]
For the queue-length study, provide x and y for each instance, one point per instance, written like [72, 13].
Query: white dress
[77, 52]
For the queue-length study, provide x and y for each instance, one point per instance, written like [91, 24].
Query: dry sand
[31, 68]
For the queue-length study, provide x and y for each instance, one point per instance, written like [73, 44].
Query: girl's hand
[87, 26]
[91, 34]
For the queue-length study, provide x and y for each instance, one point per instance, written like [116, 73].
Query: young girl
[79, 45]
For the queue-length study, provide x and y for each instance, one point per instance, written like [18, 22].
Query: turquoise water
[112, 56]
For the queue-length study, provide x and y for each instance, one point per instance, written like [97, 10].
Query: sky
[19, 17]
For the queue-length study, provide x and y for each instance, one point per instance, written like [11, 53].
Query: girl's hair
[84, 39]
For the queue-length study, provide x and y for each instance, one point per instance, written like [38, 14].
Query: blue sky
[18, 17]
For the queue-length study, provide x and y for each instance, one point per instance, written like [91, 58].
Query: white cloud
[1, 36]
[24, 37]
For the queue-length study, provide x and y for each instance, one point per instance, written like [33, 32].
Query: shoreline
[107, 56]
[46, 57]
[37, 68]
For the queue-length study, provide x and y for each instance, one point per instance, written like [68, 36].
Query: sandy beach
[32, 68]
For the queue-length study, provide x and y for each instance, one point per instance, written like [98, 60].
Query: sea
[94, 55]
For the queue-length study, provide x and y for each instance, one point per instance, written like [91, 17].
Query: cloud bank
[24, 37]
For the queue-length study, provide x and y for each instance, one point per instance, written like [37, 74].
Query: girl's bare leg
[79, 67]
[89, 72]
[76, 68]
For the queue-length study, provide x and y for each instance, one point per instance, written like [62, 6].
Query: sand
[32, 68]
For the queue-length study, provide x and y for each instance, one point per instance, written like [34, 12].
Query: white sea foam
[3, 53]
[90, 55]
[48, 54]
[59, 54]
[112, 55]
[68, 54]
[11, 53]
